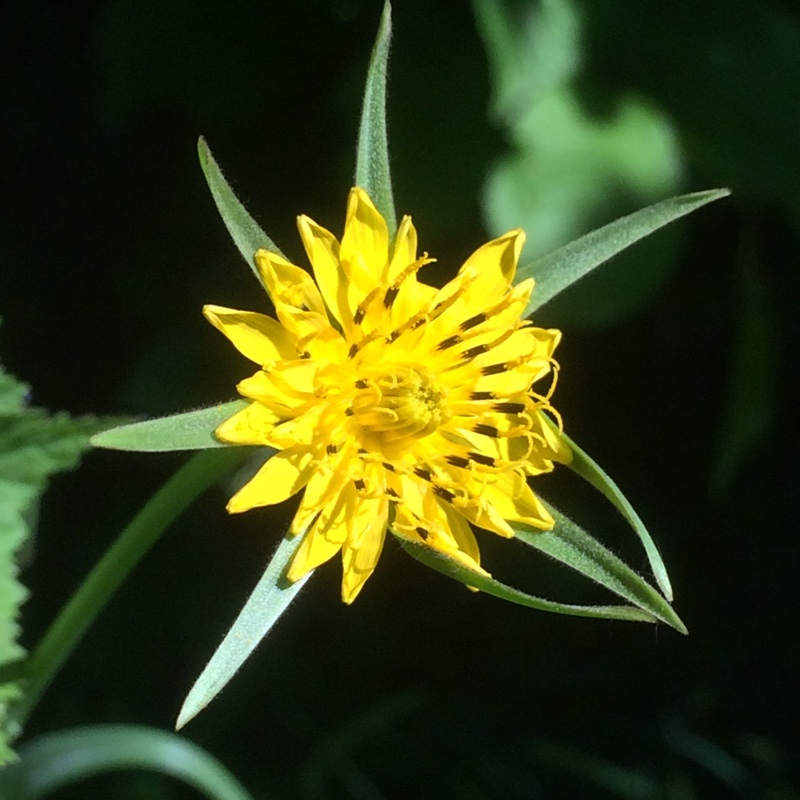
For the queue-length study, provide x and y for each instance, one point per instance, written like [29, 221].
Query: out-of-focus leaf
[269, 600]
[372, 152]
[56, 760]
[245, 231]
[33, 446]
[192, 430]
[572, 169]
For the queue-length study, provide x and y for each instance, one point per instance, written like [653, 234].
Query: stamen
[360, 485]
[362, 384]
[448, 342]
[332, 449]
[494, 369]
[423, 473]
[390, 296]
[483, 396]
[445, 494]
[472, 352]
[457, 461]
[487, 430]
[480, 458]
[473, 321]
[423, 532]
[509, 408]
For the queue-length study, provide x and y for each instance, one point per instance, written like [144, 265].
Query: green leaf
[245, 231]
[583, 465]
[33, 446]
[454, 569]
[561, 268]
[575, 548]
[269, 600]
[56, 760]
[372, 153]
[192, 430]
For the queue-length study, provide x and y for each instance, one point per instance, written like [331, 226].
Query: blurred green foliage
[111, 244]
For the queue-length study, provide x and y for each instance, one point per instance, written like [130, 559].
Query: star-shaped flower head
[393, 403]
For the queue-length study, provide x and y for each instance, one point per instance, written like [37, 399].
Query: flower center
[403, 403]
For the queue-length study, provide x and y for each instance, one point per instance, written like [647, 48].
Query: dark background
[110, 246]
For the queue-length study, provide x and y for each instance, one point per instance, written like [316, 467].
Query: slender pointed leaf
[372, 153]
[575, 548]
[556, 271]
[485, 583]
[56, 760]
[192, 430]
[269, 600]
[585, 466]
[244, 230]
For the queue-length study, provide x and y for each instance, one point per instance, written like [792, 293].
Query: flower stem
[144, 530]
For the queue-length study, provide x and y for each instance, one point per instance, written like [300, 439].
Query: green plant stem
[75, 618]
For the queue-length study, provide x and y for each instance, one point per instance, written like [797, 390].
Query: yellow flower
[391, 402]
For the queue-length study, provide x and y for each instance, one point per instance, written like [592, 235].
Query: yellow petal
[256, 336]
[290, 384]
[323, 253]
[494, 264]
[297, 300]
[285, 474]
[405, 249]
[251, 425]
[513, 500]
[325, 538]
[363, 547]
[364, 252]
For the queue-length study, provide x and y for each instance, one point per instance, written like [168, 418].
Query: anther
[473, 321]
[487, 430]
[480, 458]
[332, 449]
[358, 317]
[423, 473]
[351, 353]
[445, 494]
[457, 461]
[390, 296]
[360, 485]
[423, 532]
[362, 384]
[509, 408]
[494, 369]
[467, 355]
[448, 342]
[483, 396]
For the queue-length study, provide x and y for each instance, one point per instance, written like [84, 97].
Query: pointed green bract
[372, 153]
[56, 760]
[573, 547]
[244, 230]
[561, 268]
[458, 571]
[585, 466]
[192, 430]
[269, 600]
